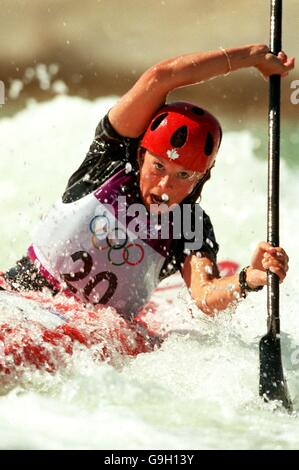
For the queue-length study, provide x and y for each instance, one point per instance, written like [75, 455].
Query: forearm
[194, 68]
[218, 294]
[213, 294]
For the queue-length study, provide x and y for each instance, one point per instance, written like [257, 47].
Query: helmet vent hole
[197, 111]
[179, 138]
[209, 144]
[156, 123]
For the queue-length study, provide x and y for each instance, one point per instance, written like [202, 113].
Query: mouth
[155, 199]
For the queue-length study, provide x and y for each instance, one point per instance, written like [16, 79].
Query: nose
[166, 182]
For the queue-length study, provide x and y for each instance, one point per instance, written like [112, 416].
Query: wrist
[247, 281]
[257, 53]
[251, 280]
[250, 55]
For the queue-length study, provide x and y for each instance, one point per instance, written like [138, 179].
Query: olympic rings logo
[119, 252]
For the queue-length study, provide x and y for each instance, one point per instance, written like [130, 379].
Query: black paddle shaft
[272, 383]
[273, 166]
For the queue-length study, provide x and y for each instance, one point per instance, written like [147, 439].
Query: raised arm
[131, 115]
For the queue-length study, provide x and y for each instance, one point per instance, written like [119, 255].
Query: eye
[158, 166]
[183, 175]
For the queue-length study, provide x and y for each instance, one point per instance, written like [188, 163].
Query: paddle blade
[272, 382]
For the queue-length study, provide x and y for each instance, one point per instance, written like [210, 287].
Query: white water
[200, 389]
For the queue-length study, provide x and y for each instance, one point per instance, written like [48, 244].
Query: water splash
[200, 389]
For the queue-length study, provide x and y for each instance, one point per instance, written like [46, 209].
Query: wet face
[164, 182]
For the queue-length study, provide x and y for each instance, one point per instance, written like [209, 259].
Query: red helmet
[184, 133]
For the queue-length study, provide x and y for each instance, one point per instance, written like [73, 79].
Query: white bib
[83, 246]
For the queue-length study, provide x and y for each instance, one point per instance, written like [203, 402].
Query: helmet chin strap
[199, 185]
[205, 177]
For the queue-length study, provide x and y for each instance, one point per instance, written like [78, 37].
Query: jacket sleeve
[108, 153]
[176, 258]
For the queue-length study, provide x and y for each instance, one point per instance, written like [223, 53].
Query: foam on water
[200, 389]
